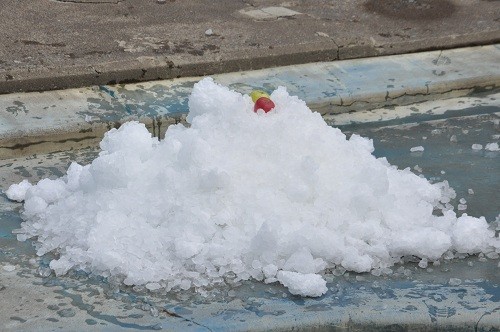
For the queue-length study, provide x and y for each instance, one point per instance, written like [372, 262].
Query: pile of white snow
[238, 195]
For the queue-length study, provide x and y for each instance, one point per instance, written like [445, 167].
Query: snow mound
[238, 195]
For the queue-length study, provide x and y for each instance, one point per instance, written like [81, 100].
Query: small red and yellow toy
[262, 101]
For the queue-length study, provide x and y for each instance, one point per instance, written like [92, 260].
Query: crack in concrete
[337, 57]
[485, 314]
[25, 145]
[427, 93]
[157, 123]
[90, 2]
[349, 104]
[389, 98]
[97, 71]
[37, 43]
[439, 57]
[173, 314]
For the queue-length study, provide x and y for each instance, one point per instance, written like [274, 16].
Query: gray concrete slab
[55, 44]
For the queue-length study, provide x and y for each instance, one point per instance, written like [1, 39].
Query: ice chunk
[34, 205]
[48, 190]
[492, 147]
[270, 270]
[423, 263]
[357, 263]
[154, 311]
[492, 255]
[362, 142]
[312, 285]
[417, 149]
[477, 146]
[9, 268]
[454, 282]
[17, 191]
[185, 284]
[471, 235]
[153, 286]
[303, 262]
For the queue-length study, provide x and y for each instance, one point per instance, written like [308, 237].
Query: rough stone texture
[53, 44]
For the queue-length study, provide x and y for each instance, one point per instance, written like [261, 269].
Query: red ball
[264, 104]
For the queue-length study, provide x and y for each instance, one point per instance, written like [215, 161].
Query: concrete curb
[64, 119]
[149, 68]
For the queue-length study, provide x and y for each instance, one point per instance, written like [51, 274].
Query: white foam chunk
[312, 285]
[238, 196]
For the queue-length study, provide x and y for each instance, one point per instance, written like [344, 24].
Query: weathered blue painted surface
[331, 87]
[325, 86]
[459, 294]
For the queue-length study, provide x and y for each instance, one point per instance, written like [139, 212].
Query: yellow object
[256, 94]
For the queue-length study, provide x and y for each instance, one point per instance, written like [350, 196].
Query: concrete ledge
[148, 68]
[58, 120]
[101, 42]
